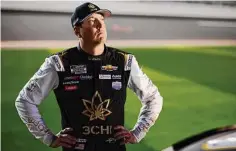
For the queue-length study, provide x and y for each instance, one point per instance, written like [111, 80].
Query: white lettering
[116, 76]
[97, 130]
[86, 130]
[104, 76]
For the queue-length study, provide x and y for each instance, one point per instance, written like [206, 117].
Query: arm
[32, 94]
[149, 96]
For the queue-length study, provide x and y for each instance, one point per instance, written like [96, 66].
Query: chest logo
[109, 68]
[78, 69]
[96, 108]
[116, 85]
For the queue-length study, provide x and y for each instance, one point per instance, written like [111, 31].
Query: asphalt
[49, 26]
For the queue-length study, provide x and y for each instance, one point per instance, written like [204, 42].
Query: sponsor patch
[70, 82]
[143, 127]
[81, 140]
[85, 77]
[35, 125]
[96, 109]
[78, 69]
[55, 59]
[71, 87]
[109, 68]
[41, 72]
[79, 146]
[116, 85]
[116, 77]
[81, 77]
[128, 62]
[97, 130]
[111, 140]
[104, 76]
[72, 78]
[32, 85]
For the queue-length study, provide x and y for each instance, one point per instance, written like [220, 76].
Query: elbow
[17, 103]
[159, 102]
[158, 105]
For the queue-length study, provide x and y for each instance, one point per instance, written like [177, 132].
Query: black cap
[85, 10]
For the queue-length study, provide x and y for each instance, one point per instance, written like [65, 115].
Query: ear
[77, 31]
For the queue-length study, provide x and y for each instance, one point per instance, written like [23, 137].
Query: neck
[92, 49]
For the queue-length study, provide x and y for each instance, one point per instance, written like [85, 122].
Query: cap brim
[105, 12]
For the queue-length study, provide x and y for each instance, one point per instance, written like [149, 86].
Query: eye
[91, 20]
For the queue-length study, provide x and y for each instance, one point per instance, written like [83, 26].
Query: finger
[125, 141]
[72, 138]
[67, 140]
[66, 130]
[120, 133]
[65, 145]
[122, 136]
[119, 127]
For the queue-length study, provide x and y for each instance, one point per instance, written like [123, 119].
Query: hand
[64, 139]
[125, 135]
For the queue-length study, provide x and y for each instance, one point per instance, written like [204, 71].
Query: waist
[94, 144]
[96, 140]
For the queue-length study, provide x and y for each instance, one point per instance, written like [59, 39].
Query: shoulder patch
[57, 63]
[128, 61]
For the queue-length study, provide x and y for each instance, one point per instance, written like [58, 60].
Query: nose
[100, 23]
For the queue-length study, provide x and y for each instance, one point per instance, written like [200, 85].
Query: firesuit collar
[91, 57]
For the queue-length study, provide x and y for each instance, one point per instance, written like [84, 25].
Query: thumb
[66, 130]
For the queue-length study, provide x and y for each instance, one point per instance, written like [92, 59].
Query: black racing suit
[91, 93]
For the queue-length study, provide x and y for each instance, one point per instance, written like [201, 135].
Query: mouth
[100, 32]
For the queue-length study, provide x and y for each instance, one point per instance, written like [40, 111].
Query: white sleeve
[33, 93]
[149, 96]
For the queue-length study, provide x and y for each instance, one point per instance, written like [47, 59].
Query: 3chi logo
[98, 110]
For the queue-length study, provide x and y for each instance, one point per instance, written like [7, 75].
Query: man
[89, 82]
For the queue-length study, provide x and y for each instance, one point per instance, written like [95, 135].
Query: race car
[218, 139]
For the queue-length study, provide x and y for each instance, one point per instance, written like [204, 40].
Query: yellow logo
[94, 111]
[109, 68]
[92, 7]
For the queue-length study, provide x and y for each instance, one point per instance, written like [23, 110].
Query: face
[93, 29]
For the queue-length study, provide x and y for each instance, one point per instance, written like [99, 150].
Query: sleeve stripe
[58, 63]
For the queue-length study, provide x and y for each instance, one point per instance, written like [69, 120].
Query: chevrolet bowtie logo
[109, 68]
[99, 111]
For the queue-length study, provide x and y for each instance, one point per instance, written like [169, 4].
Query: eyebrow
[90, 17]
[94, 17]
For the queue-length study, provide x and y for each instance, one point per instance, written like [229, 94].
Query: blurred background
[187, 48]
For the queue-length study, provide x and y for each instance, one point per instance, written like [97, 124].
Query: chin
[100, 40]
